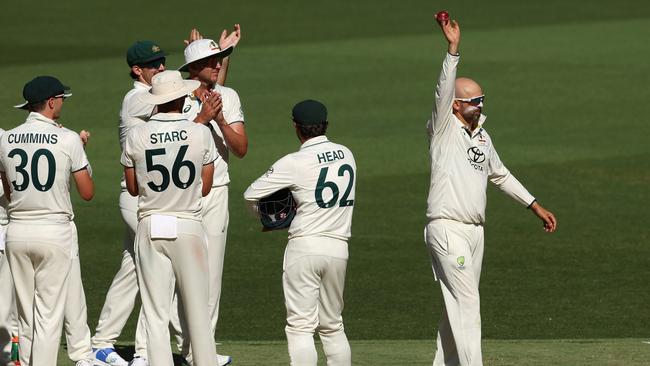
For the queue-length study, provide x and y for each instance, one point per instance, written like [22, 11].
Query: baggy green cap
[309, 112]
[142, 52]
[41, 88]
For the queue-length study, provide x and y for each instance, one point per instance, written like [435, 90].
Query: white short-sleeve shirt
[38, 157]
[233, 113]
[168, 153]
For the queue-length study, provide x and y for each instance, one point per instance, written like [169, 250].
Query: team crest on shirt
[461, 261]
[269, 172]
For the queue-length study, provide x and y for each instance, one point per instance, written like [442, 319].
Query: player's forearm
[513, 188]
[237, 141]
[223, 72]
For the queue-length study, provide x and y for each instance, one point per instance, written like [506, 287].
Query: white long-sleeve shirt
[133, 113]
[322, 179]
[462, 162]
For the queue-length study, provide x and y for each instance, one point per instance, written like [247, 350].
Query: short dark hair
[309, 131]
[37, 106]
[133, 75]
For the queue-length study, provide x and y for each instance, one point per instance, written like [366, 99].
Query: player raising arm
[463, 159]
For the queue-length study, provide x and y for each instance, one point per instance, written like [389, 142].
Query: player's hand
[211, 105]
[226, 40]
[84, 136]
[194, 36]
[547, 217]
[451, 31]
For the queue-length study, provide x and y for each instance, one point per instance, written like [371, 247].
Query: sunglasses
[472, 101]
[153, 64]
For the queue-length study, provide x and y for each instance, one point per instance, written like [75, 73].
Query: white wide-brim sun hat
[203, 48]
[167, 86]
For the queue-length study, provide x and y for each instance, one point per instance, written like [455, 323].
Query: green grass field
[566, 86]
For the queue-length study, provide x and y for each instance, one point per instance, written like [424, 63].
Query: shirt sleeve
[502, 178]
[232, 109]
[211, 153]
[78, 157]
[126, 159]
[444, 96]
[279, 176]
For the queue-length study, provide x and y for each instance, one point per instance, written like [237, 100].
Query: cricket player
[203, 59]
[169, 164]
[8, 317]
[145, 59]
[37, 161]
[75, 318]
[321, 177]
[463, 159]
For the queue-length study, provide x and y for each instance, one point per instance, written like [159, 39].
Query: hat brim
[153, 99]
[25, 105]
[223, 53]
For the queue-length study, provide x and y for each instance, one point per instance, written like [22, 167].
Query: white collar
[314, 141]
[37, 117]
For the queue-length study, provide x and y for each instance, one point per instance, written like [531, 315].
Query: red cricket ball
[442, 16]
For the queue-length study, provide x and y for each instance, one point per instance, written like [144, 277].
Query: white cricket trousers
[120, 299]
[77, 333]
[40, 257]
[215, 222]
[456, 251]
[183, 260]
[8, 312]
[313, 283]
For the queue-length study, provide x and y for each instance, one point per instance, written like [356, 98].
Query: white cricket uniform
[322, 179]
[120, 298]
[8, 313]
[215, 205]
[461, 164]
[168, 154]
[38, 158]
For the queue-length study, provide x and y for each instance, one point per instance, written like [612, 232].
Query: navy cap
[309, 112]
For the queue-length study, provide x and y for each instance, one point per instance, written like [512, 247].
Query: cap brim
[153, 99]
[223, 53]
[66, 94]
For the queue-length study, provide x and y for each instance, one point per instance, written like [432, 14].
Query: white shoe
[139, 361]
[223, 360]
[85, 363]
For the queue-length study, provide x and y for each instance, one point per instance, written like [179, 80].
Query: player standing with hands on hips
[321, 179]
[37, 160]
[463, 159]
[169, 163]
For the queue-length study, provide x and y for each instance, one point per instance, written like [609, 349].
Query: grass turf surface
[565, 83]
[563, 352]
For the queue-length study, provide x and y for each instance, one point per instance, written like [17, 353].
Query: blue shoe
[108, 357]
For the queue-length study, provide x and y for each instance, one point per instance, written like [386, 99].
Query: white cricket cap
[201, 49]
[167, 86]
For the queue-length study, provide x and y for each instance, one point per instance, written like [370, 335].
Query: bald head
[467, 88]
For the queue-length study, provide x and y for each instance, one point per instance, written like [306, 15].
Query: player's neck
[470, 126]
